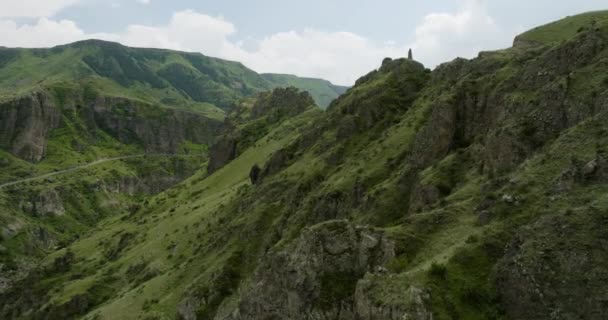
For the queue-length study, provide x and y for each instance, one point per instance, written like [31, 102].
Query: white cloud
[444, 36]
[143, 1]
[43, 33]
[340, 57]
[33, 8]
[187, 31]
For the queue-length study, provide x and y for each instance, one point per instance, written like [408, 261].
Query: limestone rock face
[316, 276]
[25, 124]
[47, 203]
[221, 153]
[413, 302]
[473, 114]
[280, 103]
[157, 133]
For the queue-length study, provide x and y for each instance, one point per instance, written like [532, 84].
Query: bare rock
[46, 203]
[25, 124]
[316, 276]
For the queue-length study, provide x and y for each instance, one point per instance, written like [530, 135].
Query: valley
[156, 184]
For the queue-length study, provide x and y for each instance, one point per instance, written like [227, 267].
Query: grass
[161, 228]
[564, 29]
[204, 237]
[88, 195]
[177, 80]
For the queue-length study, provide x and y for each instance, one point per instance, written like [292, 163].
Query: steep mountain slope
[54, 133]
[73, 105]
[475, 191]
[146, 235]
[324, 92]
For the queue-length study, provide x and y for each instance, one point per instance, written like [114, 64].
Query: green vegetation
[566, 28]
[322, 91]
[484, 183]
[174, 79]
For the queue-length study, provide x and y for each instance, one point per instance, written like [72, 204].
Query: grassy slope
[150, 75]
[159, 78]
[173, 79]
[189, 235]
[448, 233]
[564, 29]
[195, 227]
[89, 69]
[171, 230]
[83, 192]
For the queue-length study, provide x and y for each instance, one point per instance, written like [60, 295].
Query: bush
[398, 265]
[437, 271]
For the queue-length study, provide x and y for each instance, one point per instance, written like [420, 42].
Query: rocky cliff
[251, 121]
[156, 129]
[29, 121]
[26, 124]
[316, 276]
[484, 124]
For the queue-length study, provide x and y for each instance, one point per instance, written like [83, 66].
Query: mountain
[86, 71]
[133, 121]
[324, 92]
[175, 79]
[473, 191]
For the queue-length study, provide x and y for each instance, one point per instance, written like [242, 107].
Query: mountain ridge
[227, 80]
[473, 191]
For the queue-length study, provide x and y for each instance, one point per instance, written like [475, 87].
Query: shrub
[437, 271]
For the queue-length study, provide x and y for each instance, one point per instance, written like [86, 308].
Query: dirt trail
[87, 165]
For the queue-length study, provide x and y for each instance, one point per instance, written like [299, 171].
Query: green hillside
[474, 191]
[565, 29]
[174, 79]
[73, 105]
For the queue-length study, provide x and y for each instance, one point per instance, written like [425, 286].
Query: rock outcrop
[411, 302]
[247, 124]
[46, 203]
[315, 277]
[25, 125]
[221, 153]
[158, 130]
[281, 103]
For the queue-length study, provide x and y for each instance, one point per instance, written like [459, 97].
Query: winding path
[91, 164]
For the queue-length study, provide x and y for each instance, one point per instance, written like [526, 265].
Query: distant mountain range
[170, 78]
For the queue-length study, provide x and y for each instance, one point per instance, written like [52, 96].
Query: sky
[337, 40]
